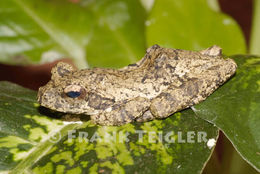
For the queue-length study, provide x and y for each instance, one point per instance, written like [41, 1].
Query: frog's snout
[42, 91]
[40, 94]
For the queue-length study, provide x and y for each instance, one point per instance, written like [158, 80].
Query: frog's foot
[122, 113]
[151, 53]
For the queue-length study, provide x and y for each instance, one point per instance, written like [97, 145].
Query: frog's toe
[212, 51]
[147, 116]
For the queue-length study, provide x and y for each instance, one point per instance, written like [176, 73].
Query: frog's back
[147, 78]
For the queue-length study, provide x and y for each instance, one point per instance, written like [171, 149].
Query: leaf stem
[255, 33]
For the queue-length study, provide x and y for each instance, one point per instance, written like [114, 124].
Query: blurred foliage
[90, 33]
[194, 25]
[109, 33]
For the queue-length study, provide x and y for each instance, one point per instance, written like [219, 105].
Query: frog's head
[65, 92]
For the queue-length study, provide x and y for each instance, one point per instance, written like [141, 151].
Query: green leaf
[32, 142]
[90, 32]
[194, 25]
[235, 109]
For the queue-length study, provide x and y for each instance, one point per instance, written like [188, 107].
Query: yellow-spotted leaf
[32, 142]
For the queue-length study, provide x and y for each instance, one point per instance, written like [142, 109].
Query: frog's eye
[73, 94]
[75, 91]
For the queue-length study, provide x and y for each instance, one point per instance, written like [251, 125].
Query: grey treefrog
[163, 82]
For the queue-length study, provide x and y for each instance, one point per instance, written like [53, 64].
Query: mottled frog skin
[163, 82]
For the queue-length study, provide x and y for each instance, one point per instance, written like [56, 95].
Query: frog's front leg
[174, 98]
[121, 113]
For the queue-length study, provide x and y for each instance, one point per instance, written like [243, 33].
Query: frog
[163, 82]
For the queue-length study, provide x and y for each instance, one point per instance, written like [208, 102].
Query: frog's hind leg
[121, 113]
[174, 98]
